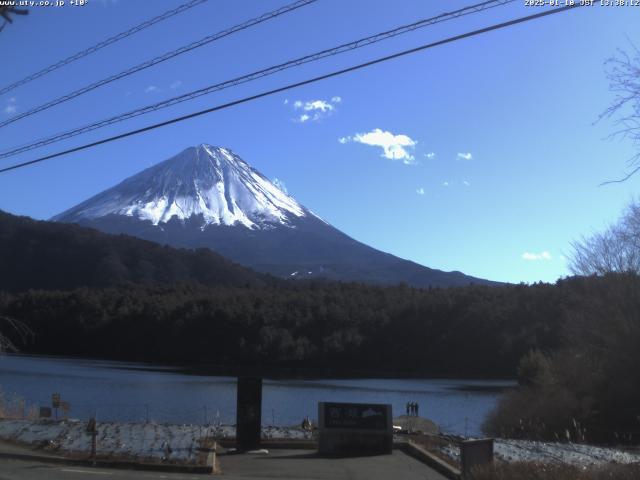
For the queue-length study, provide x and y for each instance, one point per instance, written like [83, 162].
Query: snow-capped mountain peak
[208, 197]
[206, 181]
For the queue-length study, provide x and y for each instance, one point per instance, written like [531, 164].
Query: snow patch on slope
[209, 181]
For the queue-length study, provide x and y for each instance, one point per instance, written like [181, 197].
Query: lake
[140, 392]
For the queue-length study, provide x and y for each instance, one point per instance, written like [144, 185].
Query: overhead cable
[346, 47]
[98, 46]
[291, 86]
[159, 59]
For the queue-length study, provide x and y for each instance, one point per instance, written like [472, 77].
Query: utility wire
[98, 46]
[258, 74]
[162, 58]
[296, 85]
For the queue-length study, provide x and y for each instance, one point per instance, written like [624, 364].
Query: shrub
[538, 471]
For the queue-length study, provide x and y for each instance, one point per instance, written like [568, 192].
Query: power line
[162, 58]
[258, 74]
[98, 46]
[296, 85]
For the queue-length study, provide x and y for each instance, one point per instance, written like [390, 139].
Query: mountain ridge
[36, 254]
[209, 197]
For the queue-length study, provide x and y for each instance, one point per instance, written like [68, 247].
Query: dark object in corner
[249, 413]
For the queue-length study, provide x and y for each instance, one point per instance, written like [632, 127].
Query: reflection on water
[137, 392]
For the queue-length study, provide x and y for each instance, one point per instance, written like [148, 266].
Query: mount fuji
[209, 197]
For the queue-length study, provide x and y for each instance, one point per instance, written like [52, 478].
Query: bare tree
[20, 329]
[616, 249]
[623, 74]
[7, 11]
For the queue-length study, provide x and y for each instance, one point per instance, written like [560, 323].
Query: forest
[572, 344]
[48, 255]
[475, 330]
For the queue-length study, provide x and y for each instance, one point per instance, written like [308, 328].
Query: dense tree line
[588, 389]
[48, 255]
[473, 330]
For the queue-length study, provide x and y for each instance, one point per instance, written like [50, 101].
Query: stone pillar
[249, 413]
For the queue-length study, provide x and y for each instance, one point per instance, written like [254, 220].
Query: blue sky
[482, 156]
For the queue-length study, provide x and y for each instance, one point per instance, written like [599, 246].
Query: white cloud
[420, 191]
[314, 110]
[544, 255]
[445, 184]
[465, 156]
[176, 84]
[394, 147]
[286, 101]
[430, 155]
[313, 105]
[151, 89]
[465, 183]
[280, 184]
[318, 105]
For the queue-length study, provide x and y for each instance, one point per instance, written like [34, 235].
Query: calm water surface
[137, 392]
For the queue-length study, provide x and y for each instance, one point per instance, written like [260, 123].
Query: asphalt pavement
[307, 464]
[298, 464]
[30, 470]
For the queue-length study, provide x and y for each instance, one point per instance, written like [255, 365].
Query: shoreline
[272, 373]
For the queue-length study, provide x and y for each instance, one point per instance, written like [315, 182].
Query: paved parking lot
[306, 464]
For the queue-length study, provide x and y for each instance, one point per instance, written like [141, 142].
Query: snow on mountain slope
[208, 197]
[204, 180]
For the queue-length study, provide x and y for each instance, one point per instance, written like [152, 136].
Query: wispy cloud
[176, 84]
[151, 89]
[394, 147]
[466, 183]
[531, 256]
[280, 184]
[10, 106]
[430, 155]
[445, 184]
[420, 191]
[465, 156]
[314, 110]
